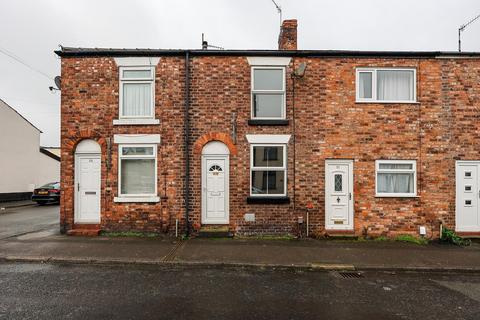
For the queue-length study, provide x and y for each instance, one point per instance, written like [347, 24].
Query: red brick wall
[90, 101]
[329, 124]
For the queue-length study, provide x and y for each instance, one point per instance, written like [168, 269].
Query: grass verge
[131, 234]
[411, 239]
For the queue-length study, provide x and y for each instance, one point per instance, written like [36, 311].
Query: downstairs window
[396, 178]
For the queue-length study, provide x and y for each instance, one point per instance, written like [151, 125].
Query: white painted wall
[22, 166]
[50, 170]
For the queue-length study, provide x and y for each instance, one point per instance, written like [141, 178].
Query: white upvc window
[268, 92]
[268, 170]
[137, 93]
[386, 85]
[396, 178]
[137, 171]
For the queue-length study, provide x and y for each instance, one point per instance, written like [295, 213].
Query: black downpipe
[187, 142]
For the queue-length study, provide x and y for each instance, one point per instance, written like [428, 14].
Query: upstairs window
[386, 85]
[137, 92]
[268, 93]
[268, 170]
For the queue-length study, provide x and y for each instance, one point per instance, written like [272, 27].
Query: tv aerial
[461, 29]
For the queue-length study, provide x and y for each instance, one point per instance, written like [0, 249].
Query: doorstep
[85, 230]
[350, 234]
[214, 231]
[470, 235]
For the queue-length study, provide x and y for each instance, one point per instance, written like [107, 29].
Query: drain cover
[350, 275]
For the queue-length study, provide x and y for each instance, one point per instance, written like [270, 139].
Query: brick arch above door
[214, 136]
[75, 137]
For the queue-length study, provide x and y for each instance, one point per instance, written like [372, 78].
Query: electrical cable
[19, 60]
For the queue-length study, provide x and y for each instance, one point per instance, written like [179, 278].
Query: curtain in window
[394, 85]
[137, 99]
[138, 176]
[365, 85]
[395, 183]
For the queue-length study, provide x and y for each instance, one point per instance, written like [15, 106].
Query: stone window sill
[268, 200]
[269, 122]
[396, 197]
[129, 122]
[136, 199]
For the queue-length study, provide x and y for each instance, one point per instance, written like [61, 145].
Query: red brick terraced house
[280, 141]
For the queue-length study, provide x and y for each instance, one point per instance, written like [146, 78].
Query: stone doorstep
[214, 231]
[350, 234]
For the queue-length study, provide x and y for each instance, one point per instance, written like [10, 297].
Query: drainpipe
[187, 142]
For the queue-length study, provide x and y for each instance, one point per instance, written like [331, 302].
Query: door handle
[78, 186]
[349, 196]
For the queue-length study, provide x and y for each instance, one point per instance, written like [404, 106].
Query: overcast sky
[31, 30]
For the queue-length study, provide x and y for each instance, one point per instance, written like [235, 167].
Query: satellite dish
[58, 82]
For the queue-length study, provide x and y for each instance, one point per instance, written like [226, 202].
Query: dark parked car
[47, 193]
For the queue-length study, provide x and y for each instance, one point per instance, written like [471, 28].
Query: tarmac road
[17, 221]
[52, 291]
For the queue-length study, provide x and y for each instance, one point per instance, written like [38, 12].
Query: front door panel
[338, 195]
[88, 189]
[467, 196]
[215, 190]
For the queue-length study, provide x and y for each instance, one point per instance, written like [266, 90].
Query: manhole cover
[350, 275]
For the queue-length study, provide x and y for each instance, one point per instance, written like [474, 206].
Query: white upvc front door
[87, 188]
[339, 194]
[215, 189]
[467, 215]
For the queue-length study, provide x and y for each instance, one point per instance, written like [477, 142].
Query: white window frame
[253, 91]
[397, 195]
[120, 157]
[374, 99]
[150, 81]
[284, 168]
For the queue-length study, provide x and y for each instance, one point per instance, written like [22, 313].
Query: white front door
[87, 189]
[215, 190]
[467, 216]
[339, 195]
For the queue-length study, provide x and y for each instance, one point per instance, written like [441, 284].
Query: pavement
[15, 204]
[86, 291]
[36, 238]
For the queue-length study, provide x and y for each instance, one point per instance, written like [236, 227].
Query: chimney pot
[287, 40]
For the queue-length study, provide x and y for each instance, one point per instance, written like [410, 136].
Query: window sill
[396, 196]
[268, 122]
[119, 122]
[136, 199]
[387, 102]
[268, 200]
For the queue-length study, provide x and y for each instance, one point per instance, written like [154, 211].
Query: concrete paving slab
[86, 248]
[360, 254]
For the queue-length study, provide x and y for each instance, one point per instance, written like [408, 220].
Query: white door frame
[225, 158]
[350, 196]
[76, 218]
[459, 199]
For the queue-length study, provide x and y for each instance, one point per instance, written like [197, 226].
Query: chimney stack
[287, 40]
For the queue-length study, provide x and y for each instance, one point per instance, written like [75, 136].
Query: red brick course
[325, 123]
